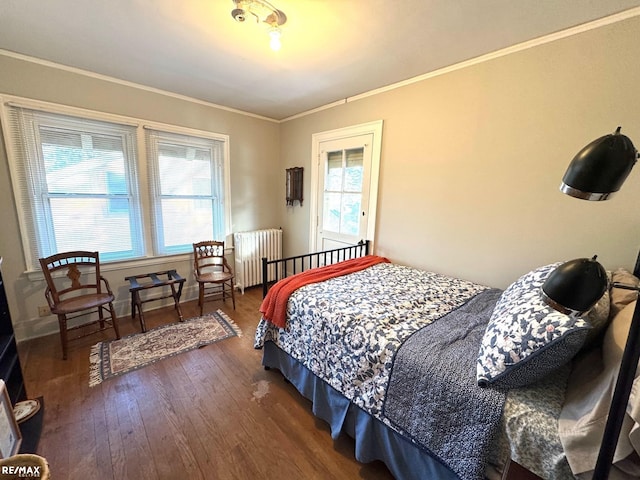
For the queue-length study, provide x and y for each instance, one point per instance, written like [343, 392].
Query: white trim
[316, 110]
[135, 264]
[20, 207]
[181, 131]
[552, 37]
[585, 27]
[42, 326]
[138, 263]
[227, 189]
[106, 78]
[8, 100]
[374, 128]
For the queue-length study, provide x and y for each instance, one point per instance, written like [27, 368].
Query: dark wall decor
[294, 185]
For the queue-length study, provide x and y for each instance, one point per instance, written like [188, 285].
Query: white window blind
[76, 185]
[187, 185]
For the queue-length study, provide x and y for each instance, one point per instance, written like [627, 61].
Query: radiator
[250, 247]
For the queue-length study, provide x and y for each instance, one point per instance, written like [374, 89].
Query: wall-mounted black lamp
[595, 173]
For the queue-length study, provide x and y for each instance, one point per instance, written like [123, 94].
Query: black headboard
[274, 270]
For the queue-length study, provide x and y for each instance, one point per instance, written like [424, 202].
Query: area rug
[116, 357]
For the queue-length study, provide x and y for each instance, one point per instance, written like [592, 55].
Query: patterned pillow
[525, 338]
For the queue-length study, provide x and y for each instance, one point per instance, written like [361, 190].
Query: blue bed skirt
[373, 439]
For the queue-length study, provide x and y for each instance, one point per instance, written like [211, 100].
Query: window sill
[140, 263]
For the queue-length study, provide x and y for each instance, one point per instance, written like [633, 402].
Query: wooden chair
[213, 273]
[68, 294]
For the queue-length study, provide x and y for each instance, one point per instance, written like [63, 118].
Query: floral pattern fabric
[319, 312]
[347, 330]
[529, 427]
[526, 339]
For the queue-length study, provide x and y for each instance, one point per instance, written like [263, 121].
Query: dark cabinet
[10, 369]
[11, 373]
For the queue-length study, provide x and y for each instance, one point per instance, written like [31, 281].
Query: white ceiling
[332, 49]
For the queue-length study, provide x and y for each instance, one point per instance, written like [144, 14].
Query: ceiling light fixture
[261, 11]
[275, 42]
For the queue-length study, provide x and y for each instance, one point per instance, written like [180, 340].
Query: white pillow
[588, 398]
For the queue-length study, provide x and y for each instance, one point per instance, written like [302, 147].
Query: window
[343, 191]
[187, 186]
[77, 186]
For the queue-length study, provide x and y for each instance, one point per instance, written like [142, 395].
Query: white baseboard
[43, 326]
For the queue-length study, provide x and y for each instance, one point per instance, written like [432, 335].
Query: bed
[387, 352]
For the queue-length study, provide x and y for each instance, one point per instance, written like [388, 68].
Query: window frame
[43, 197]
[146, 203]
[202, 140]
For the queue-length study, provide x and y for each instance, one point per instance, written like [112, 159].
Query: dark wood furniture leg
[62, 321]
[136, 304]
[172, 278]
[176, 299]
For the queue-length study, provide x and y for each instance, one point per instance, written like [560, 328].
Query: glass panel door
[343, 191]
[344, 169]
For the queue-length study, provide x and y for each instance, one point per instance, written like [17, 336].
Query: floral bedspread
[347, 330]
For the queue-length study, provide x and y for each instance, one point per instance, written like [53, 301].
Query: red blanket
[274, 305]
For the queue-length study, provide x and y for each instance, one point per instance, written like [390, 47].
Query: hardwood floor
[212, 413]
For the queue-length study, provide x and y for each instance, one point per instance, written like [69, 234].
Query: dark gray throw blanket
[433, 395]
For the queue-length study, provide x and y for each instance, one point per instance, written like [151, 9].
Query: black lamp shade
[575, 286]
[600, 168]
[597, 171]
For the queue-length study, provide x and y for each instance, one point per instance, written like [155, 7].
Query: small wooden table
[171, 278]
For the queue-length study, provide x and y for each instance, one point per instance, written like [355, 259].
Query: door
[344, 180]
[344, 186]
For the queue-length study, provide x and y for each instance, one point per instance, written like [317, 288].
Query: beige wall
[254, 149]
[472, 160]
[470, 168]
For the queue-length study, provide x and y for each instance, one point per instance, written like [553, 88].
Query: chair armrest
[106, 284]
[47, 295]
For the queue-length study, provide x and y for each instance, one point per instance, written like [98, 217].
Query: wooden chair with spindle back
[213, 273]
[80, 292]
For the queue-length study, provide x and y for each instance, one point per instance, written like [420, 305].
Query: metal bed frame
[300, 263]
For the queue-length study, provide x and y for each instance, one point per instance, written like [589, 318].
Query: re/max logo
[21, 471]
